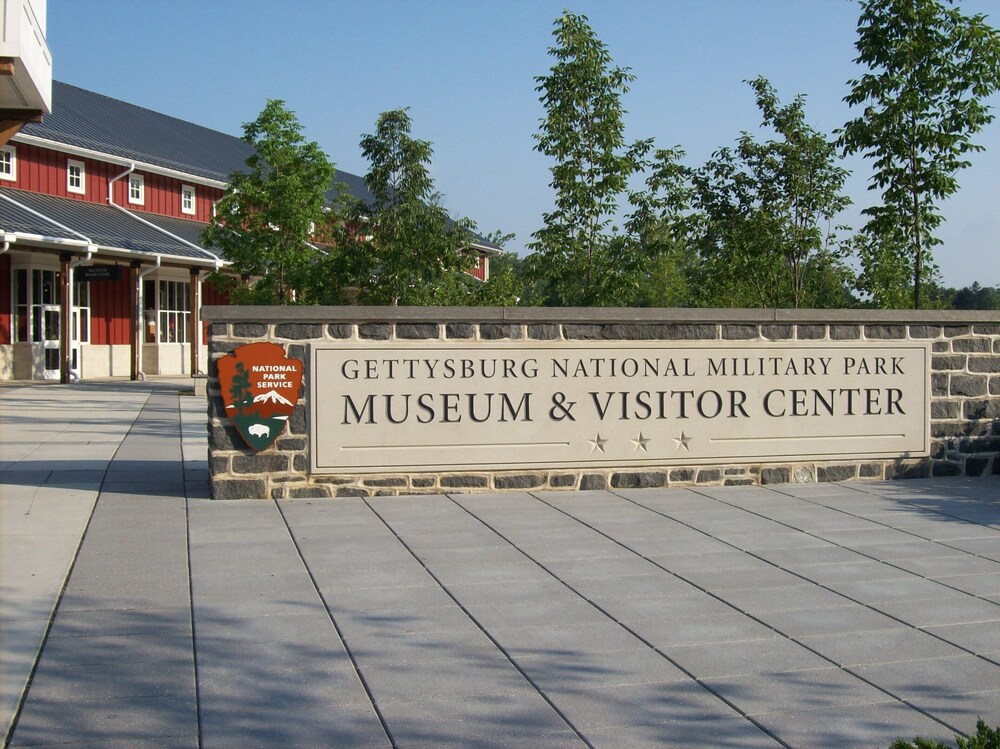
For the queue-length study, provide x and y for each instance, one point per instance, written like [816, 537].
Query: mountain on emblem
[260, 387]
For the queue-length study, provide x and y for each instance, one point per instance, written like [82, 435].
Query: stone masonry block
[885, 332]
[497, 331]
[974, 410]
[298, 331]
[968, 385]
[972, 345]
[260, 463]
[562, 480]
[836, 473]
[946, 469]
[810, 332]
[519, 481]
[375, 331]
[709, 475]
[951, 331]
[464, 481]
[388, 481]
[460, 330]
[739, 332]
[249, 330]
[638, 479]
[239, 489]
[948, 363]
[946, 409]
[977, 466]
[987, 364]
[939, 384]
[870, 471]
[682, 476]
[583, 332]
[777, 332]
[305, 492]
[776, 475]
[593, 481]
[845, 332]
[413, 331]
[543, 332]
[340, 330]
[925, 331]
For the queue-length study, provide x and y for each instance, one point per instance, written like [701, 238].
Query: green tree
[930, 68]
[403, 248]
[766, 209]
[264, 223]
[578, 257]
[239, 391]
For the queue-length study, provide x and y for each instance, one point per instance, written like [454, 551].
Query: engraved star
[640, 443]
[682, 441]
[597, 443]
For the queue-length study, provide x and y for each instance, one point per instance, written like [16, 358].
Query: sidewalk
[832, 615]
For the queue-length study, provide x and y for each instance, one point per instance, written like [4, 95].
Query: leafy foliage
[985, 738]
[265, 221]
[766, 208]
[578, 257]
[403, 248]
[930, 68]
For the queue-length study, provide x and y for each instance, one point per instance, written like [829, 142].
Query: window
[76, 177]
[167, 311]
[136, 189]
[187, 200]
[8, 163]
[81, 311]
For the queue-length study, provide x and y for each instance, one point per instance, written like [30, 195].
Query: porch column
[194, 319]
[65, 317]
[135, 299]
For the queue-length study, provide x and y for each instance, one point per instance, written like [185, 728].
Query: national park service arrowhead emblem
[260, 387]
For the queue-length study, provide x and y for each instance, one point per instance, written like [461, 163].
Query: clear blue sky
[466, 70]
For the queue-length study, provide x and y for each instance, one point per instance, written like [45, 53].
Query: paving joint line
[62, 588]
[755, 618]
[336, 627]
[810, 534]
[620, 623]
[478, 624]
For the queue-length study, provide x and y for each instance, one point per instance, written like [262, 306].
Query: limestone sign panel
[379, 408]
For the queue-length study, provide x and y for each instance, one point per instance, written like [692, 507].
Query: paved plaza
[136, 612]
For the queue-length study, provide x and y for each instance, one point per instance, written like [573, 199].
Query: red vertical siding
[210, 295]
[5, 300]
[111, 320]
[43, 170]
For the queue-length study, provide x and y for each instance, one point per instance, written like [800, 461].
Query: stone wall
[965, 390]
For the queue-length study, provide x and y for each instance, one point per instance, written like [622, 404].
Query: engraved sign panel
[486, 405]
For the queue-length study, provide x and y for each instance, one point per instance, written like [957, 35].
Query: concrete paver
[137, 612]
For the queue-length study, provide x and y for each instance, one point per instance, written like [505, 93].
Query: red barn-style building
[102, 207]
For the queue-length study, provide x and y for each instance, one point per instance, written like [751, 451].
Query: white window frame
[8, 164]
[191, 209]
[80, 189]
[136, 189]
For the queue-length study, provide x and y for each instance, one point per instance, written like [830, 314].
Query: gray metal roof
[105, 226]
[90, 120]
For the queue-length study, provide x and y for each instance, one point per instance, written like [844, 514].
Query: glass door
[46, 319]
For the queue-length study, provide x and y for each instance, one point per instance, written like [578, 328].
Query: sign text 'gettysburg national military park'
[433, 407]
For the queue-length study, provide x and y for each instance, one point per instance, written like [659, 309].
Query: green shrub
[985, 738]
